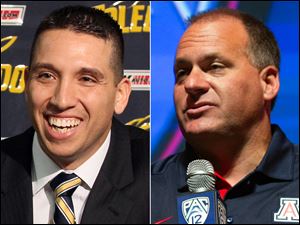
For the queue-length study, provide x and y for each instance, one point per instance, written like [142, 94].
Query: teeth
[61, 130]
[58, 122]
[63, 123]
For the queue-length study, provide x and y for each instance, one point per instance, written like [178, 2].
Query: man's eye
[88, 79]
[45, 76]
[180, 73]
[217, 66]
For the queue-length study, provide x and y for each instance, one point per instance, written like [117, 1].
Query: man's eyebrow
[179, 62]
[205, 58]
[93, 71]
[213, 56]
[38, 66]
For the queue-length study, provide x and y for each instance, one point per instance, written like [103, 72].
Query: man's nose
[196, 83]
[64, 95]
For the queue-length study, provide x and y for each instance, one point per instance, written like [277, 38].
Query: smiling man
[226, 82]
[78, 164]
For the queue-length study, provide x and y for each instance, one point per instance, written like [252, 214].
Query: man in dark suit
[78, 164]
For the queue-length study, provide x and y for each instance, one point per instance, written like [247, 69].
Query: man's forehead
[68, 41]
[56, 33]
[220, 24]
[216, 18]
[215, 31]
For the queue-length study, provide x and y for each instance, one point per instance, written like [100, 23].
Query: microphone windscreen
[201, 176]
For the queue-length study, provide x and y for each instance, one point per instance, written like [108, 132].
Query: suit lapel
[107, 202]
[16, 184]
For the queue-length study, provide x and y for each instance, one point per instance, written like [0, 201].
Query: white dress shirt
[44, 170]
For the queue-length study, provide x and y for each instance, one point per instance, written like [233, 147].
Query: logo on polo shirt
[288, 211]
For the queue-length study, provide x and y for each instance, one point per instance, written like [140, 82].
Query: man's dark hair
[262, 48]
[86, 20]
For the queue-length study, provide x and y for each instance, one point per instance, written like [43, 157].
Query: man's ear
[122, 95]
[270, 82]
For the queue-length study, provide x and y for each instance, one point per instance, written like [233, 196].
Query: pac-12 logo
[288, 211]
[195, 210]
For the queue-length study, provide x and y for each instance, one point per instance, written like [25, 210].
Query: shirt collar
[278, 162]
[44, 168]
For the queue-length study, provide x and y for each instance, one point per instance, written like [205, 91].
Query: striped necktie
[63, 186]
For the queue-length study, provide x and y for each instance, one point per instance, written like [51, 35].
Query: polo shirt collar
[278, 162]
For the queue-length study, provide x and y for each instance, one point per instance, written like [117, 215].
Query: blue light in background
[284, 22]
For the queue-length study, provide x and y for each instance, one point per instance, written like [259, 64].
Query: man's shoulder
[166, 178]
[18, 142]
[281, 142]
[133, 132]
[16, 156]
[126, 134]
[296, 162]
[131, 141]
[139, 145]
[137, 133]
[296, 150]
[164, 166]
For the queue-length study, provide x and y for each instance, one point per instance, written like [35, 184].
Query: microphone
[203, 204]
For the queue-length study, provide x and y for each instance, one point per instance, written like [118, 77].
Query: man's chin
[65, 151]
[198, 127]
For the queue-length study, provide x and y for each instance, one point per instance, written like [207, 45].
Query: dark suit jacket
[120, 193]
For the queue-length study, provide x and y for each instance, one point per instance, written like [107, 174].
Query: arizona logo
[288, 211]
[195, 210]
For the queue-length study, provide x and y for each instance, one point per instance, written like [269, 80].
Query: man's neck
[236, 156]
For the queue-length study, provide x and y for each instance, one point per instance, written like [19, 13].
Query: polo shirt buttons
[229, 219]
